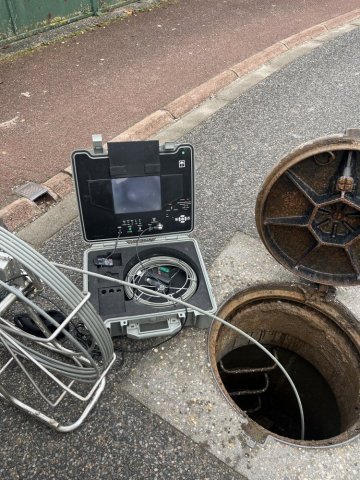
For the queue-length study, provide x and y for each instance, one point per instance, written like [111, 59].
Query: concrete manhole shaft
[319, 345]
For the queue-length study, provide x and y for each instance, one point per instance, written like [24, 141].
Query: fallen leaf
[10, 123]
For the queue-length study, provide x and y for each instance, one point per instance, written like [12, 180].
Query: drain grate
[32, 191]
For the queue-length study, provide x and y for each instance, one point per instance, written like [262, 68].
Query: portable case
[136, 202]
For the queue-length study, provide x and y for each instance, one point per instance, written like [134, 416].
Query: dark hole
[276, 408]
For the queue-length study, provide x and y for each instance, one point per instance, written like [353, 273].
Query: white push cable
[144, 267]
[63, 287]
[203, 312]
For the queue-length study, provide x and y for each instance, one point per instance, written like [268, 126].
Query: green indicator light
[164, 269]
[183, 152]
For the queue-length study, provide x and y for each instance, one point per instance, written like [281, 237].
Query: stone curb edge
[23, 211]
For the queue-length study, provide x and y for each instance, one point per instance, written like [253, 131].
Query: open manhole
[308, 217]
[318, 343]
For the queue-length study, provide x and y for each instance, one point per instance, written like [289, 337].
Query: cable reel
[163, 274]
[46, 355]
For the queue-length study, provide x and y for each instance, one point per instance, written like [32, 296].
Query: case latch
[97, 144]
[168, 147]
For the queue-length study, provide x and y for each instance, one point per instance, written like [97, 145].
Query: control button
[182, 219]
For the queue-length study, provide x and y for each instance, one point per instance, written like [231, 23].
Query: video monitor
[136, 194]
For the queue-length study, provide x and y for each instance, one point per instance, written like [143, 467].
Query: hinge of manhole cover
[319, 293]
[32, 191]
[353, 133]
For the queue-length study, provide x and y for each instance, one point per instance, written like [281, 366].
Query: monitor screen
[136, 194]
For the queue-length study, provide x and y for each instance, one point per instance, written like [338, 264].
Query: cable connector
[158, 226]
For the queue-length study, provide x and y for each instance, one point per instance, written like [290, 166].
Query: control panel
[121, 195]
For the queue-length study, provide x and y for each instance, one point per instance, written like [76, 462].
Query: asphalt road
[316, 95]
[106, 79]
[236, 147]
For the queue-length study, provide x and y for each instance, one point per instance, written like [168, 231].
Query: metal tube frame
[76, 364]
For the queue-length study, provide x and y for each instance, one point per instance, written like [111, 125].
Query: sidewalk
[162, 415]
[105, 80]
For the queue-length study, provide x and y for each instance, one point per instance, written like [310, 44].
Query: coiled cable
[87, 370]
[138, 274]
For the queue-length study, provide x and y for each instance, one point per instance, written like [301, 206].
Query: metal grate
[32, 191]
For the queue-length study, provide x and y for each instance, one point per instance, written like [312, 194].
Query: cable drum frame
[80, 368]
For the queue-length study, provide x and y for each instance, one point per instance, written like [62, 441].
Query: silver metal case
[134, 235]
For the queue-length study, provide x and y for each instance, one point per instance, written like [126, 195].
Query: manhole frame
[305, 295]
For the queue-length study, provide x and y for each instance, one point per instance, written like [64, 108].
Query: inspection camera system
[146, 277]
[136, 205]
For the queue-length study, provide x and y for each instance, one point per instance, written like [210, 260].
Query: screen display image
[136, 194]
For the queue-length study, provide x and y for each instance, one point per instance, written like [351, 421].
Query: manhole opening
[261, 390]
[321, 356]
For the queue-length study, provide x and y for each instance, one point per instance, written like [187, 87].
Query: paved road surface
[147, 424]
[105, 80]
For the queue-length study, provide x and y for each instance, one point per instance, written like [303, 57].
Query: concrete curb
[60, 185]
[21, 212]
[192, 99]
[304, 36]
[253, 62]
[149, 125]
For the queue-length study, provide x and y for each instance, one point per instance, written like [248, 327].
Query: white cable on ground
[203, 312]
